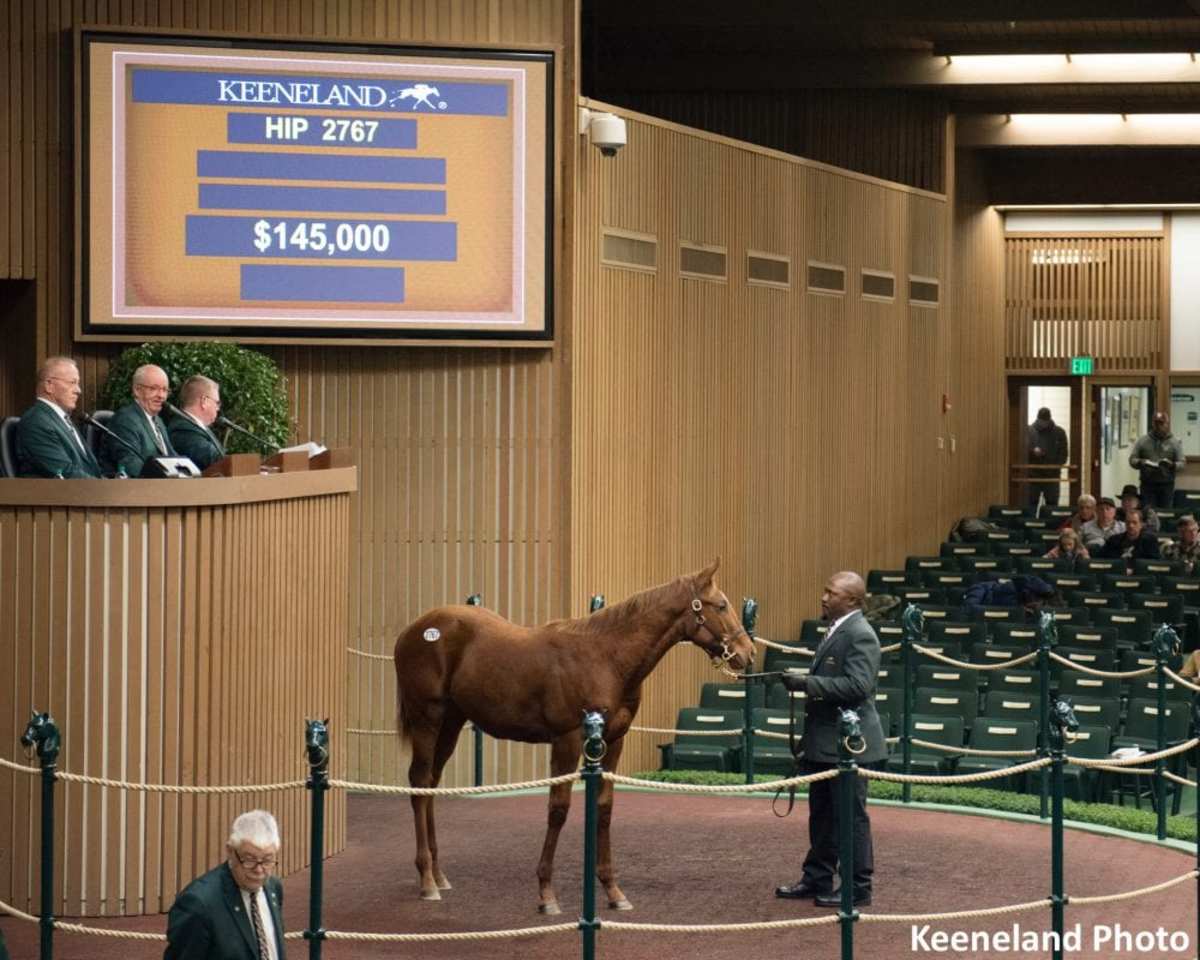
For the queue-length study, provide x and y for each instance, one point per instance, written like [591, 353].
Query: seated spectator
[1096, 532]
[1136, 543]
[1021, 591]
[1085, 512]
[1068, 548]
[1186, 546]
[1132, 500]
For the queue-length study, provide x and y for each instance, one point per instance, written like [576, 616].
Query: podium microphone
[91, 421]
[226, 422]
[175, 411]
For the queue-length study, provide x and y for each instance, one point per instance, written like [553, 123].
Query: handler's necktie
[264, 952]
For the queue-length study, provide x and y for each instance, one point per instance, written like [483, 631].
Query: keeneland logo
[419, 93]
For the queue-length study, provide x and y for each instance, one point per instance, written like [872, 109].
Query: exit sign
[1082, 366]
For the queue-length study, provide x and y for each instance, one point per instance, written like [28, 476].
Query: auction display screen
[281, 191]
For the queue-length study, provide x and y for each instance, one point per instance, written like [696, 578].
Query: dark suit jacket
[193, 441]
[45, 446]
[208, 920]
[844, 671]
[130, 423]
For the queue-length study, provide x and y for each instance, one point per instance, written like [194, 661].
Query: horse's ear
[706, 575]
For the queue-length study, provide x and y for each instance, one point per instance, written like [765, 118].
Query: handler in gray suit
[844, 671]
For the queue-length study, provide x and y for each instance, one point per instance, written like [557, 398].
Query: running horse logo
[419, 93]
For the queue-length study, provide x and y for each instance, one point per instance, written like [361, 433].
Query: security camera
[605, 130]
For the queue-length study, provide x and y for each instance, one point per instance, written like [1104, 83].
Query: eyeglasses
[70, 383]
[149, 388]
[254, 863]
[215, 402]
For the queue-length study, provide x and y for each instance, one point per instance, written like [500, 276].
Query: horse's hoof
[621, 904]
[444, 884]
[551, 909]
[433, 894]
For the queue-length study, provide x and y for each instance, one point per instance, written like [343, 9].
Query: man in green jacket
[48, 445]
[139, 424]
[233, 912]
[191, 434]
[1158, 457]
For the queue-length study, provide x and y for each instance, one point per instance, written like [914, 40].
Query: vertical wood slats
[146, 634]
[1084, 295]
[791, 433]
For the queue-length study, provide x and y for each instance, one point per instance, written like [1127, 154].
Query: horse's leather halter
[727, 652]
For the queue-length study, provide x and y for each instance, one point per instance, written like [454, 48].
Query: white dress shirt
[264, 913]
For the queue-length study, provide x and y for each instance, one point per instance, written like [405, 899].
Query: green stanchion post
[476, 600]
[316, 748]
[749, 619]
[42, 732]
[1048, 639]
[596, 603]
[1165, 642]
[914, 628]
[1062, 721]
[850, 743]
[594, 749]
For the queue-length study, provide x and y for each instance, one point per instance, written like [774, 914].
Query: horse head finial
[596, 602]
[850, 728]
[475, 600]
[41, 731]
[749, 615]
[1062, 721]
[316, 743]
[594, 747]
[1048, 628]
[1165, 642]
[913, 620]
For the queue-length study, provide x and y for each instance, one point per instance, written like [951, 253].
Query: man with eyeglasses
[140, 425]
[191, 434]
[233, 912]
[48, 444]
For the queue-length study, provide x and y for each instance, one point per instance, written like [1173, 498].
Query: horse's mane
[608, 620]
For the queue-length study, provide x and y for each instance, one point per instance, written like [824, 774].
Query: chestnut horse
[534, 684]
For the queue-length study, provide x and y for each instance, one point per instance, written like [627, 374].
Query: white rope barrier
[450, 791]
[19, 767]
[723, 732]
[367, 655]
[724, 788]
[1140, 892]
[1182, 781]
[957, 778]
[786, 647]
[176, 788]
[1092, 671]
[458, 935]
[968, 751]
[967, 665]
[1140, 759]
[622, 926]
[372, 733]
[1187, 684]
[955, 914]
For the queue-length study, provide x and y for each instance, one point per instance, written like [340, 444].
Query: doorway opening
[1120, 414]
[1044, 429]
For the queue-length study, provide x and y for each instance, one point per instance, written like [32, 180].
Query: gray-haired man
[233, 912]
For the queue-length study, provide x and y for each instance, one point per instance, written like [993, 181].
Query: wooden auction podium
[180, 632]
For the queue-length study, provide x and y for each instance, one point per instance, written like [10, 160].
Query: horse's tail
[402, 726]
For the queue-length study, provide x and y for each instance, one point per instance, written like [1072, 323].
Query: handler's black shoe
[862, 898]
[800, 890]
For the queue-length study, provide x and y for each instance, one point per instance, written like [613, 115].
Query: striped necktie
[158, 437]
[264, 951]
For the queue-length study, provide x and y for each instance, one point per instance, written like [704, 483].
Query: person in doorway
[844, 672]
[1158, 458]
[1048, 450]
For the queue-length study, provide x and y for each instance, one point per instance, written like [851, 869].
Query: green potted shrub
[252, 393]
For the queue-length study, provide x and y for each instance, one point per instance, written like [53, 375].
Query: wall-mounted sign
[1082, 366]
[279, 190]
